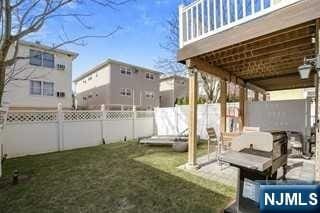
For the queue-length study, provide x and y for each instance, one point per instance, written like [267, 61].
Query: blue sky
[143, 28]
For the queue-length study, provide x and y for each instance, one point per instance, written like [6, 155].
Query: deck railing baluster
[205, 17]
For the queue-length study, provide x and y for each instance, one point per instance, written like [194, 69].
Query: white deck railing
[203, 18]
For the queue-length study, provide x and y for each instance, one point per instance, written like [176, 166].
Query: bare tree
[210, 84]
[22, 18]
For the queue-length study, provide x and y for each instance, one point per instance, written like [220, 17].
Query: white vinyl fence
[35, 132]
[174, 120]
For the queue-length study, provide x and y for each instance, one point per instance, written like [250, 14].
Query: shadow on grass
[106, 178]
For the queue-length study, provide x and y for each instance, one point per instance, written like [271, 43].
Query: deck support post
[242, 104]
[193, 99]
[264, 97]
[256, 96]
[223, 105]
[317, 81]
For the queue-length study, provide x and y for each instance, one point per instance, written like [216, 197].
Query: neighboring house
[118, 85]
[172, 88]
[43, 80]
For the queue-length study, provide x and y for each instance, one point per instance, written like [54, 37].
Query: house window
[149, 95]
[149, 76]
[90, 78]
[61, 94]
[123, 91]
[128, 92]
[48, 60]
[39, 58]
[48, 89]
[125, 71]
[84, 98]
[128, 71]
[84, 81]
[35, 58]
[35, 87]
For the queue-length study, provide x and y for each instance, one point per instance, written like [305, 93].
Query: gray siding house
[119, 86]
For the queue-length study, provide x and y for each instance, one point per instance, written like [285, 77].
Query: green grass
[109, 178]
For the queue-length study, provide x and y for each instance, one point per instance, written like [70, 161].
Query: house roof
[46, 47]
[164, 78]
[112, 61]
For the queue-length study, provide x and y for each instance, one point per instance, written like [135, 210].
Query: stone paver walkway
[298, 169]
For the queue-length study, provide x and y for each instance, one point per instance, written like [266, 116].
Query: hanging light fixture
[309, 64]
[304, 71]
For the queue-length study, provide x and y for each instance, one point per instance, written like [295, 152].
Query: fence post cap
[103, 107]
[59, 106]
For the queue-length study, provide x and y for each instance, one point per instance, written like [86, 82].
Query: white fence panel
[37, 132]
[182, 118]
[174, 120]
[81, 134]
[144, 127]
[166, 121]
[214, 117]
[116, 130]
[289, 115]
[30, 138]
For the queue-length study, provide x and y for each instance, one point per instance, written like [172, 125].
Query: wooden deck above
[264, 52]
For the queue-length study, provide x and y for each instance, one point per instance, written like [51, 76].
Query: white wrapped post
[134, 116]
[103, 117]
[60, 118]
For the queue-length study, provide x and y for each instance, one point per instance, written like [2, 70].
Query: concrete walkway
[298, 169]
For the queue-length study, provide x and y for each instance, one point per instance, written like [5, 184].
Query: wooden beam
[242, 105]
[255, 88]
[317, 163]
[271, 49]
[256, 96]
[203, 66]
[223, 106]
[298, 13]
[193, 99]
[264, 97]
[279, 35]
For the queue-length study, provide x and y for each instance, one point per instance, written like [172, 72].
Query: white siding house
[44, 78]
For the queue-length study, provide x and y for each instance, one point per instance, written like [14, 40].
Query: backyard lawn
[109, 178]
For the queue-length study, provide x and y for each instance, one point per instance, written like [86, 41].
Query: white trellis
[23, 117]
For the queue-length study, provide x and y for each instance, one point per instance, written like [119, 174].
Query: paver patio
[298, 169]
